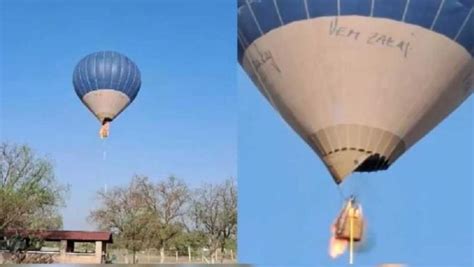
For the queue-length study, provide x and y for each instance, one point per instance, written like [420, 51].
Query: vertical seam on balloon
[79, 69]
[306, 8]
[387, 146]
[359, 135]
[137, 86]
[338, 7]
[95, 72]
[139, 82]
[76, 80]
[379, 144]
[242, 40]
[104, 58]
[337, 138]
[125, 87]
[82, 80]
[135, 83]
[86, 67]
[337, 134]
[437, 14]
[406, 10]
[278, 12]
[119, 66]
[347, 142]
[367, 145]
[328, 140]
[254, 17]
[121, 73]
[463, 25]
[372, 7]
[129, 83]
[131, 87]
[128, 75]
[240, 35]
[111, 66]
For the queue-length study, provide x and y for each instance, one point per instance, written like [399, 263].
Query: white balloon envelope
[360, 81]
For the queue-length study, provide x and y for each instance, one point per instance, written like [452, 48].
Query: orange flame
[337, 247]
[104, 130]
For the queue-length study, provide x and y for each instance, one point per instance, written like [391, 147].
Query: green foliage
[30, 195]
[183, 240]
[214, 211]
[167, 215]
[18, 243]
[84, 247]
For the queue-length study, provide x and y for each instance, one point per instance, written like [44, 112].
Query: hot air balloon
[106, 82]
[361, 81]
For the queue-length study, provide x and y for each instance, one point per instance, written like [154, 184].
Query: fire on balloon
[104, 130]
[337, 247]
[347, 230]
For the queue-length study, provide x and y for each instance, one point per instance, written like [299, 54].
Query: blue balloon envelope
[106, 82]
[451, 18]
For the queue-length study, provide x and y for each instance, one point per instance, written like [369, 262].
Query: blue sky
[183, 122]
[418, 212]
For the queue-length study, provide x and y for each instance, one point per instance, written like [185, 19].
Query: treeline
[168, 215]
[160, 214]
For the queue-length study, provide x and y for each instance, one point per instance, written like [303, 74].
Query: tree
[30, 195]
[146, 214]
[166, 202]
[214, 210]
[124, 212]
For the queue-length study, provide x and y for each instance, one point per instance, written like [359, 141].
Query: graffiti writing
[373, 38]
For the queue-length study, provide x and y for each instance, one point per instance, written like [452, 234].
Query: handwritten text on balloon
[373, 38]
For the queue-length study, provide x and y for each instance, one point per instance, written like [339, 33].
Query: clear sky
[183, 122]
[418, 212]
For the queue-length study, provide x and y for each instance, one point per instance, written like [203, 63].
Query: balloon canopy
[106, 82]
[361, 81]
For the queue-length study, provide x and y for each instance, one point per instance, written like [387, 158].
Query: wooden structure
[67, 241]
